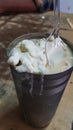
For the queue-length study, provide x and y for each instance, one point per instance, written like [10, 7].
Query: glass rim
[38, 35]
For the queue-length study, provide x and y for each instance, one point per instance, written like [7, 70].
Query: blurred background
[34, 5]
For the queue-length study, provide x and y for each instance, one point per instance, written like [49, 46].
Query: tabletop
[12, 26]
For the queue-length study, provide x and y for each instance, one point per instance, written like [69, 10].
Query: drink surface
[33, 56]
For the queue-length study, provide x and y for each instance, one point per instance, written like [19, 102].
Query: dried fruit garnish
[19, 63]
[23, 49]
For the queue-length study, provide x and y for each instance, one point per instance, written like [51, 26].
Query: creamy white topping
[41, 56]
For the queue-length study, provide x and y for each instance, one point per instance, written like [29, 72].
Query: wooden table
[12, 26]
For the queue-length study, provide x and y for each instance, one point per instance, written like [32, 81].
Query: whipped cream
[41, 56]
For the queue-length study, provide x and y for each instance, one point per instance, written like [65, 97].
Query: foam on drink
[32, 56]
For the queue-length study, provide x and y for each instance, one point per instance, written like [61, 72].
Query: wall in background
[66, 6]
